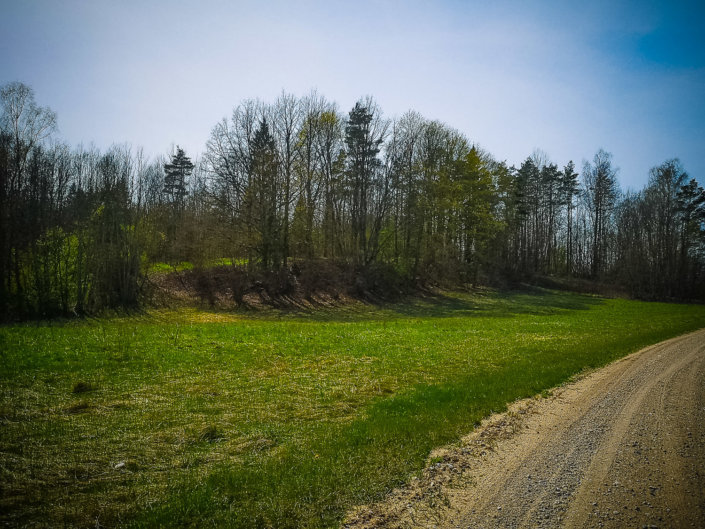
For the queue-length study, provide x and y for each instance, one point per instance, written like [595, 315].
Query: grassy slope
[278, 420]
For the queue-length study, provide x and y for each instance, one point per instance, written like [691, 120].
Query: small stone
[120, 465]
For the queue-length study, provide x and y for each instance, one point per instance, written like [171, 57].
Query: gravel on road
[621, 447]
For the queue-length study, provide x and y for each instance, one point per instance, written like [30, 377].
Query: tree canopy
[297, 181]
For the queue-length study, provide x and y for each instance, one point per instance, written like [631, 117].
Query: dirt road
[622, 447]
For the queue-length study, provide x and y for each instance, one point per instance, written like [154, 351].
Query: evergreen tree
[691, 210]
[527, 199]
[551, 179]
[569, 190]
[175, 175]
[265, 199]
[364, 135]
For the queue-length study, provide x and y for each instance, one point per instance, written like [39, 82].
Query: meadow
[202, 418]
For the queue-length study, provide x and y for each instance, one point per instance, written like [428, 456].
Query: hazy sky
[513, 76]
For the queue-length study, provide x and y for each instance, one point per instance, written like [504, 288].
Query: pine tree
[551, 179]
[175, 175]
[691, 210]
[265, 198]
[363, 141]
[569, 189]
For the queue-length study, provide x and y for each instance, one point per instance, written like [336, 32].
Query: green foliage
[114, 258]
[161, 268]
[279, 420]
[54, 266]
[175, 177]
[299, 179]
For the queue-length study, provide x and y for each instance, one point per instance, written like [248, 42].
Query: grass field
[202, 419]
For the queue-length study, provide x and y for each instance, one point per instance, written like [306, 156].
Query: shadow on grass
[356, 463]
[481, 303]
[536, 301]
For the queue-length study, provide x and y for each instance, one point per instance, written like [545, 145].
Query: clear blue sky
[513, 76]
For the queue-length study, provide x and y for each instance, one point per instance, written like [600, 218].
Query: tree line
[297, 180]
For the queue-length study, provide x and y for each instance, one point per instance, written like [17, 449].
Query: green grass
[202, 419]
[165, 268]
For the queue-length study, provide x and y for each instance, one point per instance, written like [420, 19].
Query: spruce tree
[569, 189]
[265, 198]
[363, 145]
[175, 174]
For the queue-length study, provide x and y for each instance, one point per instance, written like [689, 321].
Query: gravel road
[621, 447]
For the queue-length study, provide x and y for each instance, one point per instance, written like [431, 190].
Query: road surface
[621, 447]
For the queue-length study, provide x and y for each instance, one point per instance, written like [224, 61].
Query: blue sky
[566, 78]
